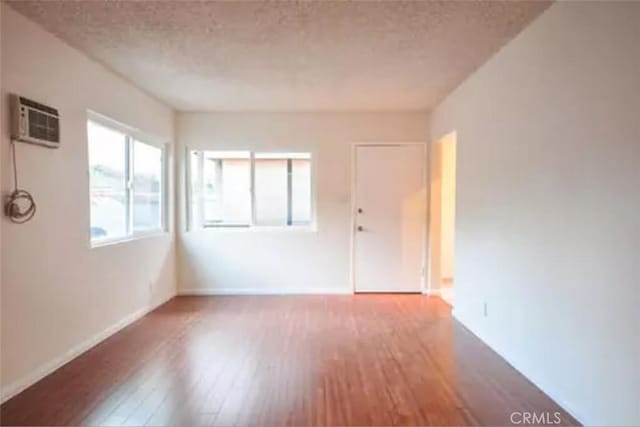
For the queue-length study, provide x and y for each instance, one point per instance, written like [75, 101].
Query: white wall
[548, 232]
[285, 261]
[57, 293]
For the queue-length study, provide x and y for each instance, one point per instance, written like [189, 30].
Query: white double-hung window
[249, 189]
[126, 182]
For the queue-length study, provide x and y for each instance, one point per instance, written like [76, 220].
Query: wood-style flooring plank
[285, 360]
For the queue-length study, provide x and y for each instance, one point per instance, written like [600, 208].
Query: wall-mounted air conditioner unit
[34, 123]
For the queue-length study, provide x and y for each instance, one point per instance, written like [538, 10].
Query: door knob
[360, 228]
[359, 210]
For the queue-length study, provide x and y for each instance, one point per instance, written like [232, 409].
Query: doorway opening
[442, 218]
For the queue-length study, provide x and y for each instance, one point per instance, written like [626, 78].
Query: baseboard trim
[561, 402]
[264, 291]
[431, 292]
[45, 369]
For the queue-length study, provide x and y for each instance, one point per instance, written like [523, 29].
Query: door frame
[425, 180]
[434, 287]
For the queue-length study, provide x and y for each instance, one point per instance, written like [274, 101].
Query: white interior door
[389, 218]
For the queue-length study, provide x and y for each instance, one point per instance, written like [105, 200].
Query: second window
[243, 189]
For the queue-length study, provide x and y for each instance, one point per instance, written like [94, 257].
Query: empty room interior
[320, 213]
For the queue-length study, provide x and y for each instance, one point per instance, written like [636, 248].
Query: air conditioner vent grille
[38, 106]
[43, 126]
[35, 123]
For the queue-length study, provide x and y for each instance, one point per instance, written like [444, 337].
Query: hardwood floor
[285, 360]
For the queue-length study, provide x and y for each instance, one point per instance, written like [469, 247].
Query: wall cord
[18, 198]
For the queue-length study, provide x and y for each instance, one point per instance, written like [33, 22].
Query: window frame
[132, 136]
[253, 225]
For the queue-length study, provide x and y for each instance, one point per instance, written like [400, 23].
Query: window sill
[260, 229]
[118, 240]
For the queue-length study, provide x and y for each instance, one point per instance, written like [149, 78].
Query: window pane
[300, 191]
[195, 190]
[271, 191]
[147, 187]
[226, 188]
[107, 178]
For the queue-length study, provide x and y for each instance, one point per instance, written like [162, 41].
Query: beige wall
[283, 261]
[547, 229]
[58, 294]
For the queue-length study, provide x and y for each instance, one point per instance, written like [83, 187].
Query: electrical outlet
[486, 310]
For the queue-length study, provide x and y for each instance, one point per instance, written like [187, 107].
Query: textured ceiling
[288, 56]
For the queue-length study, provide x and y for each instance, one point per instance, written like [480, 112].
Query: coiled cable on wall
[20, 206]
